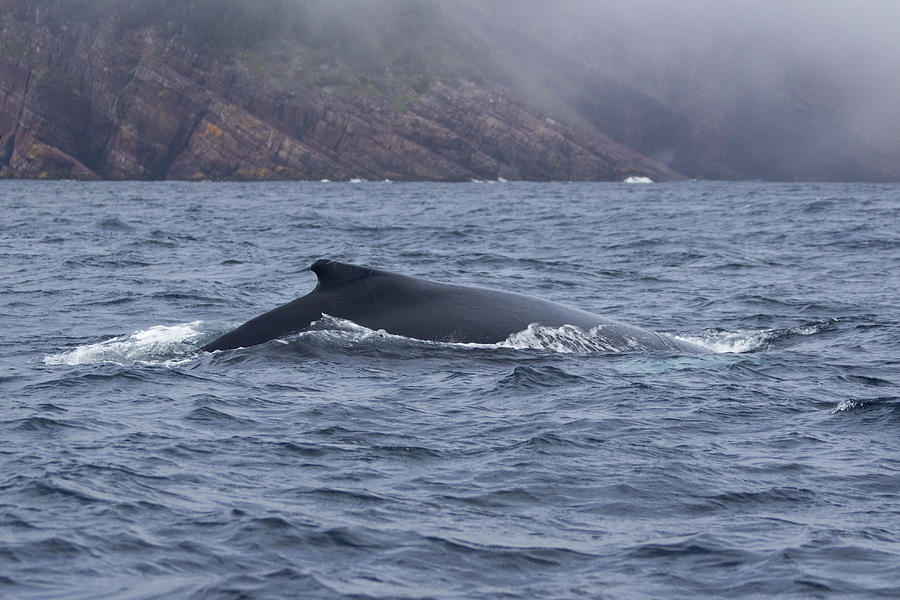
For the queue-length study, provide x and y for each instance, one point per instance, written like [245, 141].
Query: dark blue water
[350, 463]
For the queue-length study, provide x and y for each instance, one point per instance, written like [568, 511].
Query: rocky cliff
[93, 101]
[437, 90]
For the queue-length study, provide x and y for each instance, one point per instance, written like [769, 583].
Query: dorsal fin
[332, 272]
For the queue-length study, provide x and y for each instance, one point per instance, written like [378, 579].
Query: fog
[804, 88]
[847, 48]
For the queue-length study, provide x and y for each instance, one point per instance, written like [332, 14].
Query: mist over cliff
[449, 90]
[775, 90]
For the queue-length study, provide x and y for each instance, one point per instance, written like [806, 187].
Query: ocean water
[349, 463]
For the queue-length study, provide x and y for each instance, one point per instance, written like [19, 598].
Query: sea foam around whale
[179, 344]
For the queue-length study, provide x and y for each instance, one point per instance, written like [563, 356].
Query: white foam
[725, 342]
[336, 324]
[176, 344]
[565, 339]
[637, 179]
[848, 405]
[160, 344]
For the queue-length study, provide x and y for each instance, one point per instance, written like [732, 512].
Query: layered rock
[87, 103]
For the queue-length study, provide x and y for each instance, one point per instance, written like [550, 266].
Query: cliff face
[83, 102]
[422, 89]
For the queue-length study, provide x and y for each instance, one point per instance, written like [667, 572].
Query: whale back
[420, 309]
[429, 310]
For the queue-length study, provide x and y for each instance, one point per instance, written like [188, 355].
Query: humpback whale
[427, 310]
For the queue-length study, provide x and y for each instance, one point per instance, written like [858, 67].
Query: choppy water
[348, 463]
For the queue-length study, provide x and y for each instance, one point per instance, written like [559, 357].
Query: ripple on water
[346, 462]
